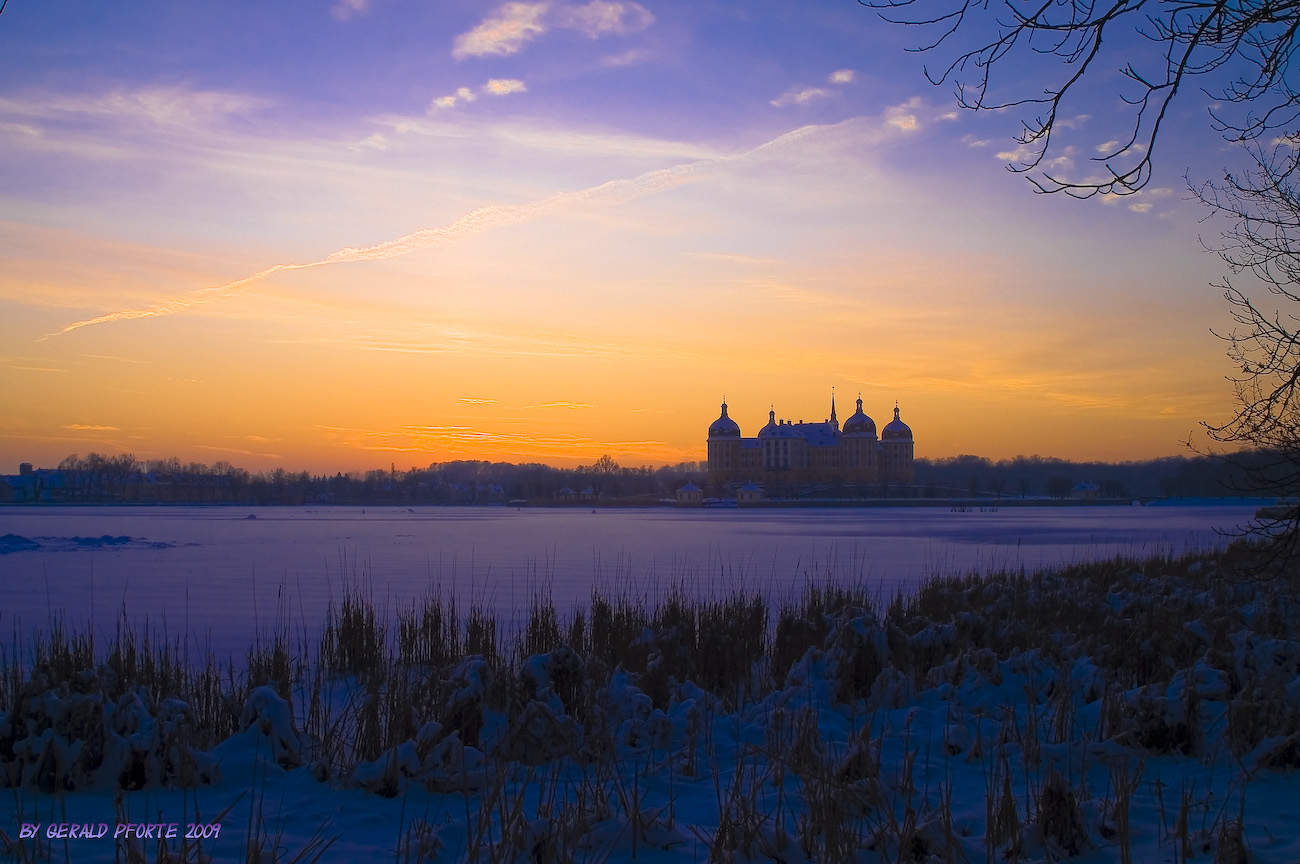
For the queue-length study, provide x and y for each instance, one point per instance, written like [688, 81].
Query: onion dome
[724, 426]
[896, 430]
[771, 429]
[860, 423]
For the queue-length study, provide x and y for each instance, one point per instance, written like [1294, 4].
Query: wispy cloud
[462, 94]
[903, 117]
[457, 439]
[472, 401]
[491, 339]
[345, 10]
[797, 96]
[504, 86]
[85, 427]
[503, 33]
[610, 193]
[601, 17]
[238, 451]
[493, 87]
[513, 25]
[1023, 154]
[167, 106]
[377, 141]
[24, 364]
[560, 404]
[629, 57]
[733, 258]
[805, 95]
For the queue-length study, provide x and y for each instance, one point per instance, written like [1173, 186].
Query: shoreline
[1055, 710]
[731, 504]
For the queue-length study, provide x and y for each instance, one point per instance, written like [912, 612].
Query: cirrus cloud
[795, 96]
[562, 403]
[504, 33]
[903, 117]
[513, 25]
[493, 87]
[344, 10]
[601, 17]
[504, 86]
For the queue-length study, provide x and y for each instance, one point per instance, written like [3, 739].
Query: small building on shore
[690, 495]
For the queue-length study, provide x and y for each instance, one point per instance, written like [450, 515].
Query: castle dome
[724, 426]
[860, 423]
[772, 429]
[896, 430]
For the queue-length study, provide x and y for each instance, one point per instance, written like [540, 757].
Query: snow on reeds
[1127, 709]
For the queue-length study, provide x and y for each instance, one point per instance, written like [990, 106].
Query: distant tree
[1059, 487]
[1114, 488]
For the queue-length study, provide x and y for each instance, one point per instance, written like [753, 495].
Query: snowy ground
[1127, 711]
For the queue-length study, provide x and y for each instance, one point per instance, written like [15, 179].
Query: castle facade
[788, 452]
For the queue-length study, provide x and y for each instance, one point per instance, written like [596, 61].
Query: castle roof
[860, 423]
[896, 430]
[724, 426]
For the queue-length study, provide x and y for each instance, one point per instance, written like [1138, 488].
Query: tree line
[103, 478]
[1196, 476]
[122, 478]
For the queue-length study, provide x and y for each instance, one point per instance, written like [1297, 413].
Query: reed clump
[582, 723]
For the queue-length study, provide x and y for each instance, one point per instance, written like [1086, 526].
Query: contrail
[475, 222]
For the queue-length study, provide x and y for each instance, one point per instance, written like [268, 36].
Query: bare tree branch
[1242, 50]
[1262, 244]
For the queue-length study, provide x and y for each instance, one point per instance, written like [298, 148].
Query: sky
[342, 234]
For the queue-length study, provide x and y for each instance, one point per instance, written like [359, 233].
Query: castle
[786, 452]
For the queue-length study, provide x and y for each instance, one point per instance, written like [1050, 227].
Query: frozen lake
[220, 576]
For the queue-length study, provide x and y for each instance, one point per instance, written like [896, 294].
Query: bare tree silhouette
[1241, 50]
[1261, 248]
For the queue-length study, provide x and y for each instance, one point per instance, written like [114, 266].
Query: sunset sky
[338, 234]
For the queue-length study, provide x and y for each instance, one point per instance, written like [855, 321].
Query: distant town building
[788, 452]
[749, 495]
[1085, 491]
[690, 495]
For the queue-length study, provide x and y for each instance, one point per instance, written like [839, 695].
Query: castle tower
[724, 447]
[860, 447]
[897, 448]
